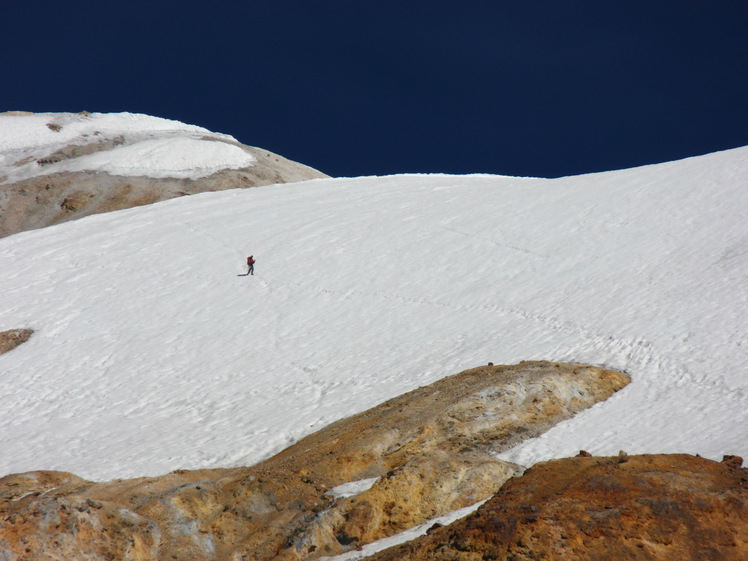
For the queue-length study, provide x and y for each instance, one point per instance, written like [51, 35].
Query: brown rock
[77, 200]
[12, 338]
[658, 507]
[732, 461]
[432, 450]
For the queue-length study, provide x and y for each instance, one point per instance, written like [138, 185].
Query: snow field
[153, 352]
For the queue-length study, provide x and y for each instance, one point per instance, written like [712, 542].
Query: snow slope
[153, 353]
[145, 146]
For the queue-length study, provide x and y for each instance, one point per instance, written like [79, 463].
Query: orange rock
[654, 507]
[431, 451]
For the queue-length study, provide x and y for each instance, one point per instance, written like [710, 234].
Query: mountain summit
[56, 167]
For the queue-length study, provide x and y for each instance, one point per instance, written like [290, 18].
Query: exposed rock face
[12, 338]
[427, 452]
[659, 507]
[52, 199]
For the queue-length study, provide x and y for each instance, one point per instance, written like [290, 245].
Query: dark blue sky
[541, 88]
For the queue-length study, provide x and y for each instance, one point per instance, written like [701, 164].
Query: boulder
[11, 338]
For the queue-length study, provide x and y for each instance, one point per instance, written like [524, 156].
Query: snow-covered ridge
[117, 143]
[56, 167]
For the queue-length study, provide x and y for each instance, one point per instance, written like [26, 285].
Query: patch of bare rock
[11, 338]
[424, 454]
[649, 507]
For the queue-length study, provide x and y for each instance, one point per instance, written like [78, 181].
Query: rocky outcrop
[51, 199]
[420, 455]
[11, 338]
[654, 507]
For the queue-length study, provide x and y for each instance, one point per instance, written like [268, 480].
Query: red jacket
[250, 260]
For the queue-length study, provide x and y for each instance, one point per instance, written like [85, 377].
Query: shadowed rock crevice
[422, 454]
